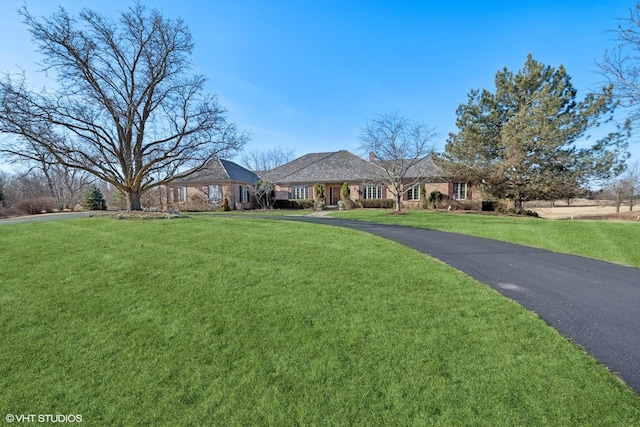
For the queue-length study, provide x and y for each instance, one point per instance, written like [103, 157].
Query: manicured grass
[613, 241]
[255, 212]
[231, 321]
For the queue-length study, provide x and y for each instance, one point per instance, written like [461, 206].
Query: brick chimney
[372, 156]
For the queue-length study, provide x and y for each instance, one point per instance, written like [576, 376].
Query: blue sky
[306, 75]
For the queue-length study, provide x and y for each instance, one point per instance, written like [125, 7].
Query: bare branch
[401, 148]
[126, 106]
[264, 160]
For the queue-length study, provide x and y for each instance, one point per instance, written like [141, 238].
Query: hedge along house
[207, 188]
[365, 180]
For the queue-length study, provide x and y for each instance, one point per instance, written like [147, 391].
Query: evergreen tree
[118, 200]
[521, 139]
[93, 199]
[345, 193]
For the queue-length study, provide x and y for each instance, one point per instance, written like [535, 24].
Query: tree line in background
[128, 118]
[624, 189]
[30, 193]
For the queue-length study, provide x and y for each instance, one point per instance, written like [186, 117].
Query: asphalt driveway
[594, 304]
[43, 217]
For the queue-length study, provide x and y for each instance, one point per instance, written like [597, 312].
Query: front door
[334, 195]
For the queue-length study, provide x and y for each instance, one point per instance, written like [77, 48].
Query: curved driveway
[593, 303]
[43, 217]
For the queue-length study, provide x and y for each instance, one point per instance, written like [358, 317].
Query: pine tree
[521, 139]
[118, 200]
[93, 199]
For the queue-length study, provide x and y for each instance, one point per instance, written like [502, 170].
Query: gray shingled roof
[340, 166]
[337, 166]
[220, 170]
[426, 168]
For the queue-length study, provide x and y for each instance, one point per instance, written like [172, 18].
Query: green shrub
[435, 198]
[344, 191]
[467, 205]
[318, 191]
[423, 197]
[502, 206]
[293, 204]
[376, 203]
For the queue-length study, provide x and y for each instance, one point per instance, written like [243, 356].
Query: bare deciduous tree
[621, 65]
[633, 183]
[261, 161]
[399, 146]
[65, 184]
[29, 185]
[264, 160]
[126, 109]
[625, 188]
[630, 184]
[616, 190]
[265, 194]
[3, 181]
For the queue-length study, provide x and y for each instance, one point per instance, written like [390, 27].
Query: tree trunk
[133, 200]
[398, 201]
[51, 186]
[517, 204]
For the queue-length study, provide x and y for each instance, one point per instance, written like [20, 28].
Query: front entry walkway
[319, 214]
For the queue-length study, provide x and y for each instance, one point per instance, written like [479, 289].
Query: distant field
[581, 208]
[578, 212]
[232, 321]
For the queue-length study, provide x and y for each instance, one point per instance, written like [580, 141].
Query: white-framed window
[244, 194]
[179, 194]
[459, 190]
[299, 192]
[372, 192]
[213, 193]
[413, 193]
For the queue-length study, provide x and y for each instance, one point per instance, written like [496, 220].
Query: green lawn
[613, 241]
[231, 321]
